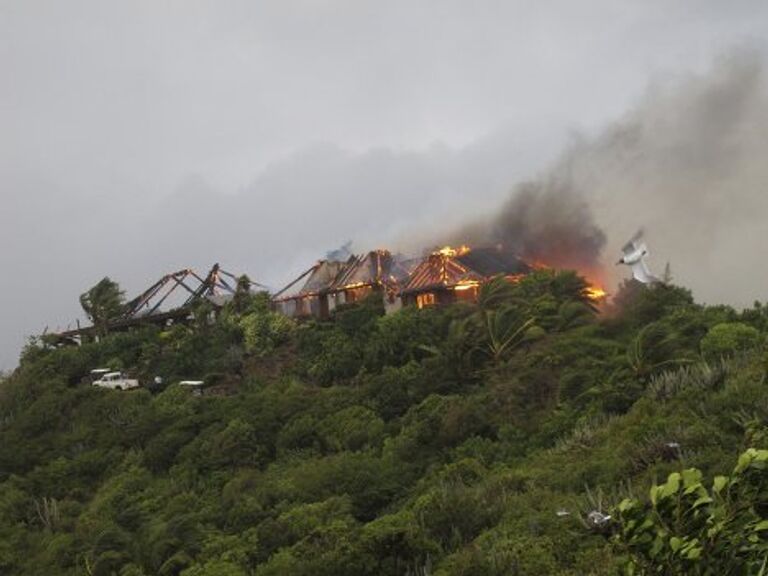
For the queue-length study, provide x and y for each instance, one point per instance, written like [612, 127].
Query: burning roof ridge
[444, 268]
[354, 264]
[450, 267]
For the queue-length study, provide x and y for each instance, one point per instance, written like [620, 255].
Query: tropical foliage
[524, 434]
[102, 302]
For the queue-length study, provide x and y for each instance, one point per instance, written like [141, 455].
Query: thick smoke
[544, 221]
[688, 164]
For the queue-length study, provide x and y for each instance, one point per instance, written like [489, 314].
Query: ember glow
[451, 251]
[596, 293]
[442, 276]
[467, 285]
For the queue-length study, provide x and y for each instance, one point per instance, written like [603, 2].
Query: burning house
[330, 283]
[362, 275]
[307, 294]
[442, 277]
[456, 274]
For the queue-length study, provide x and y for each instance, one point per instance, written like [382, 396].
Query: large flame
[594, 290]
[596, 293]
[451, 251]
[467, 285]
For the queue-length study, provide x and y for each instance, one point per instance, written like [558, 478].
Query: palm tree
[648, 350]
[505, 330]
[496, 292]
[103, 303]
[502, 318]
[573, 315]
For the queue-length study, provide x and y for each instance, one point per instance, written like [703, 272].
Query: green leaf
[702, 500]
[658, 545]
[691, 477]
[745, 460]
[694, 553]
[672, 485]
[719, 483]
[625, 505]
[762, 568]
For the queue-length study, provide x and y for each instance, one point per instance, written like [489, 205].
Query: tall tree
[102, 303]
[243, 297]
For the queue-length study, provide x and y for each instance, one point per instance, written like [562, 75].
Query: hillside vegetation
[487, 439]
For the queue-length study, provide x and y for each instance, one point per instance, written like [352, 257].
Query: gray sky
[141, 137]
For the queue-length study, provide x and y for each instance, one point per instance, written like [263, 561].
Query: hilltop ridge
[488, 438]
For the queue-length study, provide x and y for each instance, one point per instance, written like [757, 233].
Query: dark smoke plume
[688, 164]
[545, 221]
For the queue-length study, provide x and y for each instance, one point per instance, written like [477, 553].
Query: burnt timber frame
[145, 308]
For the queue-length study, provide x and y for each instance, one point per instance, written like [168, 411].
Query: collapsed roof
[443, 269]
[218, 287]
[447, 269]
[317, 279]
[375, 268]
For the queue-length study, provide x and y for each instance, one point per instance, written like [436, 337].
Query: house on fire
[330, 283]
[451, 275]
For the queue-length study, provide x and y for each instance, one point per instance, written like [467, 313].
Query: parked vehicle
[195, 385]
[97, 373]
[116, 381]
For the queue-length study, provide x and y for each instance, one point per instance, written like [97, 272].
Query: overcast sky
[141, 137]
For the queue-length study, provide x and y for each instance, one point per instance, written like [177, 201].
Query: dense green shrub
[455, 441]
[689, 529]
[726, 339]
[264, 329]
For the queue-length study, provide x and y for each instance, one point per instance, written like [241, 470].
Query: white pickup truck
[116, 381]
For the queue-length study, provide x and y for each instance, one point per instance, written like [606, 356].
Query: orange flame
[596, 293]
[466, 285]
[451, 251]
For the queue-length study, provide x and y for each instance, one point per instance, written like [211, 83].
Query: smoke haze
[688, 164]
[142, 138]
[546, 221]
